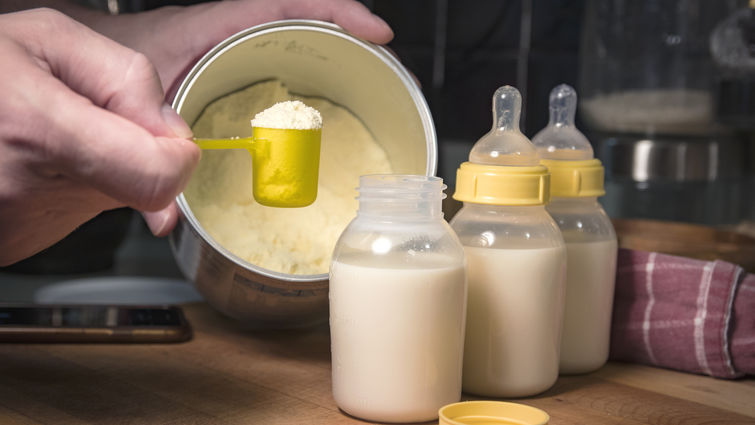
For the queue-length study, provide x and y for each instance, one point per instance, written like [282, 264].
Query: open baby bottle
[285, 150]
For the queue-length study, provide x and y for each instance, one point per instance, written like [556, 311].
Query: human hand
[174, 38]
[83, 128]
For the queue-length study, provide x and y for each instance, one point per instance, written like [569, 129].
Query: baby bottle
[576, 182]
[516, 261]
[397, 303]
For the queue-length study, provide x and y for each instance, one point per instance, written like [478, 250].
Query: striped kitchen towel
[685, 314]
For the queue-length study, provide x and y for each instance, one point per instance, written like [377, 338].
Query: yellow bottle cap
[575, 179]
[502, 185]
[491, 413]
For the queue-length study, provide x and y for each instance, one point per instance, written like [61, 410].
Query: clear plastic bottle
[397, 303]
[576, 182]
[516, 262]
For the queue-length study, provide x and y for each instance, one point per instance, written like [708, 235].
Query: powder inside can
[286, 240]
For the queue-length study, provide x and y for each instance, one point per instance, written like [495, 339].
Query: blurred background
[667, 98]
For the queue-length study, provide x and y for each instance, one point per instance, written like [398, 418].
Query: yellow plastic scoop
[285, 162]
[234, 143]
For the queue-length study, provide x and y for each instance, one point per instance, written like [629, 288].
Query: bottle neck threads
[401, 196]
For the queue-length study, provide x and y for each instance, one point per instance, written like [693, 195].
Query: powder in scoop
[291, 114]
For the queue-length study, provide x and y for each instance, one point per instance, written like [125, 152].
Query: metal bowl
[311, 58]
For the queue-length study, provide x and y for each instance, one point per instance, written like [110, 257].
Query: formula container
[397, 303]
[516, 262]
[576, 183]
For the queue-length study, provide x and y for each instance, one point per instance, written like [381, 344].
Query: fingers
[112, 76]
[174, 38]
[114, 150]
[110, 153]
[163, 221]
[78, 133]
[351, 15]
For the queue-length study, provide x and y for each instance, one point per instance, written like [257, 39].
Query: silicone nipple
[561, 139]
[505, 144]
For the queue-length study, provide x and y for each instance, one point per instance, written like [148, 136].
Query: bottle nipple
[561, 140]
[505, 144]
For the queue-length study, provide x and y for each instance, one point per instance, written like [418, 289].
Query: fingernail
[176, 123]
[156, 221]
[387, 27]
[381, 21]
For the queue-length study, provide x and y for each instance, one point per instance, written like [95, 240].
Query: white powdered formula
[286, 240]
[514, 313]
[590, 275]
[396, 338]
[291, 114]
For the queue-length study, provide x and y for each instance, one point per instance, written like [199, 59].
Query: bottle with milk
[516, 261]
[397, 303]
[576, 183]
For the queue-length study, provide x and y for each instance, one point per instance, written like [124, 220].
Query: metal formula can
[311, 58]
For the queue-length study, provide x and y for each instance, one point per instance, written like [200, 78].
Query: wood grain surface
[228, 375]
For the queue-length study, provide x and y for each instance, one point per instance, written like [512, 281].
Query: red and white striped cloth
[685, 314]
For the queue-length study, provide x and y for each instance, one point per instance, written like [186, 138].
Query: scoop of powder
[286, 240]
[291, 114]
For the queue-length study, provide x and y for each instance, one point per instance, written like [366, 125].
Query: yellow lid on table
[502, 185]
[491, 413]
[575, 179]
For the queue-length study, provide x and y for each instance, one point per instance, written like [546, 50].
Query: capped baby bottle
[516, 261]
[576, 183]
[397, 303]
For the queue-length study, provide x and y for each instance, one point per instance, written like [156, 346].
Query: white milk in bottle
[516, 262]
[576, 182]
[397, 303]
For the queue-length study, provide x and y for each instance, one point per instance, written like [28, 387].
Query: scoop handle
[236, 143]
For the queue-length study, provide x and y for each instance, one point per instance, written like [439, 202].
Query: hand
[83, 128]
[174, 38]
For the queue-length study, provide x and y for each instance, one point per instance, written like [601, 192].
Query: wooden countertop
[226, 375]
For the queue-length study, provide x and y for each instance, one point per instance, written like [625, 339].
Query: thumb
[163, 221]
[353, 16]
